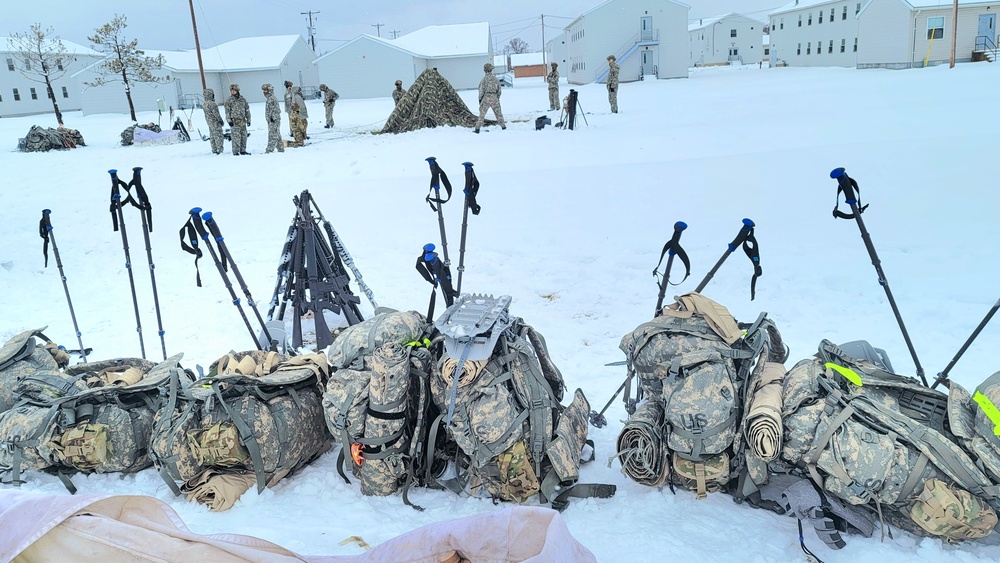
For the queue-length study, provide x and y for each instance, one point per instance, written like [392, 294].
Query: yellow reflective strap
[989, 409]
[848, 373]
[426, 342]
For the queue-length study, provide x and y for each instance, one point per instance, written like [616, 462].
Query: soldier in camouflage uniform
[214, 121]
[329, 100]
[613, 83]
[238, 117]
[272, 116]
[298, 118]
[303, 109]
[553, 81]
[489, 98]
[288, 104]
[398, 93]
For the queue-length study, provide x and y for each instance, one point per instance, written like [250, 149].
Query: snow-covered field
[572, 225]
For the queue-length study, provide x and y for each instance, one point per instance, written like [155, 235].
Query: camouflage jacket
[553, 79]
[297, 99]
[272, 113]
[489, 86]
[237, 110]
[330, 97]
[212, 116]
[398, 94]
[613, 76]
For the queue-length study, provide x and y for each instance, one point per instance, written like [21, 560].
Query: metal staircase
[651, 37]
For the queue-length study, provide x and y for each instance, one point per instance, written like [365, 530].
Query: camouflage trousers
[298, 131]
[554, 99]
[238, 136]
[216, 138]
[490, 101]
[274, 140]
[613, 99]
[329, 115]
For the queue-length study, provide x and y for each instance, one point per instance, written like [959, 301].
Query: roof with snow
[248, 53]
[704, 23]
[602, 4]
[797, 5]
[72, 48]
[463, 39]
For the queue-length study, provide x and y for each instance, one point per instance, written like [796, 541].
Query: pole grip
[212, 225]
[845, 183]
[741, 237]
[196, 221]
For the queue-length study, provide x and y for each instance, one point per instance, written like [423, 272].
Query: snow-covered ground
[572, 225]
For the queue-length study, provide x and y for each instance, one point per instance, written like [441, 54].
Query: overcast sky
[166, 24]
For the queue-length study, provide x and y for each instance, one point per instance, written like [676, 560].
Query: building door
[647, 62]
[987, 28]
[646, 28]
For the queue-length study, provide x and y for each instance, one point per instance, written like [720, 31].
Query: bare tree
[125, 62]
[517, 46]
[40, 56]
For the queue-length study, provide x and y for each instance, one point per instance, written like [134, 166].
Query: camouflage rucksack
[256, 411]
[376, 400]
[86, 419]
[498, 393]
[886, 442]
[694, 367]
[24, 355]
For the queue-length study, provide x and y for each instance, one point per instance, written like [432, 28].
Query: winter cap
[322, 87]
[488, 67]
[267, 88]
[234, 87]
[554, 65]
[288, 84]
[612, 58]
[399, 83]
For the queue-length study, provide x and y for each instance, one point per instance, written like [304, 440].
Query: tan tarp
[37, 527]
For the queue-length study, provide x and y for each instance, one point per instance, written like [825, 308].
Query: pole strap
[438, 177]
[44, 226]
[189, 233]
[142, 204]
[471, 189]
[849, 198]
[750, 247]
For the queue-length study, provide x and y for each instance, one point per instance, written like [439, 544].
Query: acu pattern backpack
[507, 435]
[22, 356]
[256, 411]
[694, 364]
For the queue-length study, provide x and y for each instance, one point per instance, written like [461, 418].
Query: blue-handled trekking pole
[745, 238]
[438, 274]
[672, 248]
[195, 225]
[943, 376]
[226, 256]
[118, 220]
[471, 190]
[146, 212]
[45, 231]
[438, 177]
[852, 197]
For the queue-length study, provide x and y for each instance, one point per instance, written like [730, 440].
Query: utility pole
[312, 30]
[395, 33]
[197, 47]
[954, 33]
[378, 28]
[544, 62]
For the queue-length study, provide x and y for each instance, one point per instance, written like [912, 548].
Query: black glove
[611, 89]
[230, 123]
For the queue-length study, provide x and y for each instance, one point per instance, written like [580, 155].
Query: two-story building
[21, 95]
[729, 39]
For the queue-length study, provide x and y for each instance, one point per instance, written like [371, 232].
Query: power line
[312, 30]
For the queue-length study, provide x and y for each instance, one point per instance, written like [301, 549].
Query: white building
[917, 33]
[555, 51]
[815, 33]
[249, 62]
[648, 37]
[367, 66]
[729, 39]
[20, 95]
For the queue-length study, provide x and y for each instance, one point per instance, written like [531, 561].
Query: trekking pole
[437, 177]
[943, 376]
[226, 256]
[852, 197]
[437, 274]
[45, 231]
[146, 212]
[195, 223]
[746, 238]
[118, 219]
[471, 190]
[345, 256]
[673, 247]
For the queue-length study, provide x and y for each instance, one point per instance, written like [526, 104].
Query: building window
[782, 24]
[809, 48]
[65, 92]
[843, 16]
[798, 51]
[59, 64]
[766, 53]
[34, 95]
[810, 18]
[27, 65]
[10, 64]
[831, 14]
[855, 44]
[857, 8]
[819, 47]
[843, 45]
[800, 20]
[935, 27]
[820, 16]
[17, 95]
[732, 33]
